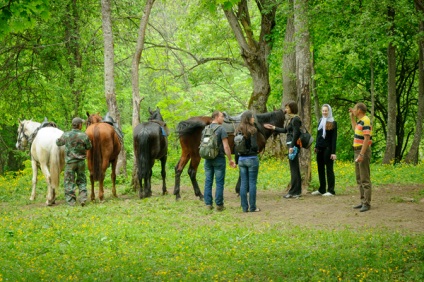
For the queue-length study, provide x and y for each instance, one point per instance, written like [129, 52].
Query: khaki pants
[363, 176]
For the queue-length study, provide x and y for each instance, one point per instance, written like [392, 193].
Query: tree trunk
[289, 61]
[135, 77]
[412, 156]
[109, 71]
[254, 53]
[72, 36]
[303, 75]
[390, 153]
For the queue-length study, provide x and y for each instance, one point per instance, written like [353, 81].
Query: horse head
[93, 118]
[155, 115]
[25, 130]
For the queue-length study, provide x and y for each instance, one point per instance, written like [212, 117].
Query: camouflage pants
[71, 169]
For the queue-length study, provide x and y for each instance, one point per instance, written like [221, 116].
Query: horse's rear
[105, 150]
[190, 134]
[150, 144]
[50, 158]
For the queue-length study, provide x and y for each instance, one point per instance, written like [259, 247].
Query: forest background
[194, 61]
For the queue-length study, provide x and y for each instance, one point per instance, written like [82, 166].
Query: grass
[159, 239]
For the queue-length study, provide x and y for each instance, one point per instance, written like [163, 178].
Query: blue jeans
[249, 169]
[215, 167]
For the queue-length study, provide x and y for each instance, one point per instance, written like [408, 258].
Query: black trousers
[296, 180]
[325, 168]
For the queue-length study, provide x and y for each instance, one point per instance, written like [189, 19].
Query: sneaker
[220, 208]
[288, 196]
[328, 194]
[209, 207]
[296, 196]
[317, 193]
[365, 208]
[256, 210]
[357, 206]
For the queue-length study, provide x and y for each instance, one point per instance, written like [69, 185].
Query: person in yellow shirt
[362, 141]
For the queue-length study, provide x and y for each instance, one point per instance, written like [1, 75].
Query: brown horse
[105, 150]
[190, 133]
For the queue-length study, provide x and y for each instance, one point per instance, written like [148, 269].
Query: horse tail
[187, 127]
[56, 165]
[143, 158]
[96, 155]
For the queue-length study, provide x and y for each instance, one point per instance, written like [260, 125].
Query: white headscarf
[325, 120]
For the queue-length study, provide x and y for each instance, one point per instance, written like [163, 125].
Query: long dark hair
[245, 127]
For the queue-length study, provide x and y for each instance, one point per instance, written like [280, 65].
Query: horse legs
[50, 194]
[238, 185]
[163, 173]
[113, 176]
[34, 178]
[192, 172]
[93, 195]
[178, 170]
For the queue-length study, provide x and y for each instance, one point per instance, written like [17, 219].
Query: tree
[109, 80]
[303, 76]
[389, 155]
[412, 156]
[135, 74]
[254, 52]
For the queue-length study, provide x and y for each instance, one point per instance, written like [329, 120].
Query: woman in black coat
[325, 149]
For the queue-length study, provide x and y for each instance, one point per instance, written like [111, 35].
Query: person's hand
[233, 164]
[269, 126]
[333, 157]
[290, 150]
[360, 158]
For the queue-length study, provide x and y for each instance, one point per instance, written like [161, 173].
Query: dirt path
[393, 207]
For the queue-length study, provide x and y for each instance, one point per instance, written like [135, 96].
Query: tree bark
[254, 53]
[109, 70]
[390, 153]
[72, 39]
[135, 77]
[303, 75]
[412, 156]
[289, 61]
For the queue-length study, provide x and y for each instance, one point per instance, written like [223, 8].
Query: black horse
[150, 144]
[190, 132]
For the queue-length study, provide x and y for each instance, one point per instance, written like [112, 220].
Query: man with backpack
[215, 167]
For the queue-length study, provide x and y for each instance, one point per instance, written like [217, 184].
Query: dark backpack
[305, 139]
[240, 144]
[209, 147]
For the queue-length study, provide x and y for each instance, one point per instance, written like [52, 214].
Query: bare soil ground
[393, 207]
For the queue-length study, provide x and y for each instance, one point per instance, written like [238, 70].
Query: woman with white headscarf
[325, 148]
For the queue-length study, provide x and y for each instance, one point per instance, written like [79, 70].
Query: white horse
[44, 154]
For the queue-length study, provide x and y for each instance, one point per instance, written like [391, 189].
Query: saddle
[163, 127]
[47, 123]
[109, 120]
[231, 122]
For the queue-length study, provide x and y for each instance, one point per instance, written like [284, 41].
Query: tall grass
[159, 239]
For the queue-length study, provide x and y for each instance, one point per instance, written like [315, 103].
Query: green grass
[159, 239]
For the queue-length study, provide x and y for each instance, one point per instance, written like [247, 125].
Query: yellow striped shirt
[363, 127]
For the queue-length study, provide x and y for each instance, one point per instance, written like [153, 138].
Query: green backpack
[209, 147]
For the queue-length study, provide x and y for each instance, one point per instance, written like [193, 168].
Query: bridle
[23, 139]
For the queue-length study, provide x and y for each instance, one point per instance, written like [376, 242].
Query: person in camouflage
[76, 144]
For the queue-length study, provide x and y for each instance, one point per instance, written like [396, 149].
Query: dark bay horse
[150, 144]
[190, 133]
[104, 152]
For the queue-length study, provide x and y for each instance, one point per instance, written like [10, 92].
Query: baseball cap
[76, 121]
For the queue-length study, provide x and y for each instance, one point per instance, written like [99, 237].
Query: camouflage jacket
[76, 144]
